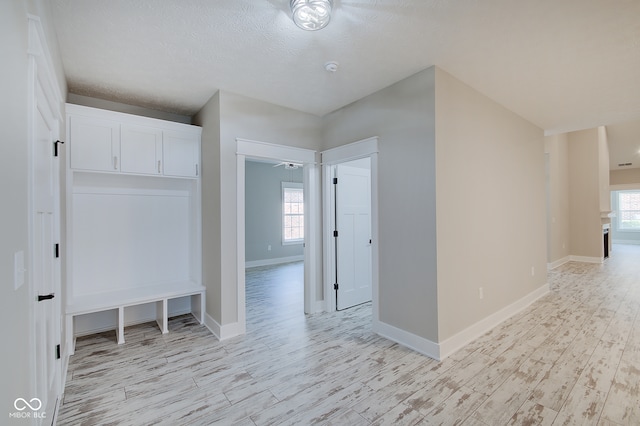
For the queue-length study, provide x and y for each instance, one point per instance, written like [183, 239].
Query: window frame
[619, 211]
[298, 187]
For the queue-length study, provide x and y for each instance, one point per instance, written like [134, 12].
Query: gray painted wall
[263, 211]
[225, 118]
[403, 117]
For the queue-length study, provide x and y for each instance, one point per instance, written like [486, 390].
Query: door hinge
[335, 286]
[335, 181]
[56, 250]
[55, 148]
[335, 234]
[58, 351]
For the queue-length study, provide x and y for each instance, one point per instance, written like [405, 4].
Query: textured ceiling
[562, 64]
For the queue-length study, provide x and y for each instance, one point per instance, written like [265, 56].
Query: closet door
[96, 144]
[141, 150]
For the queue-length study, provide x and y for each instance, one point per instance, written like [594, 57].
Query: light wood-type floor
[573, 357]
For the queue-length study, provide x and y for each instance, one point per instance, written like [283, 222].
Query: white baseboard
[633, 242]
[558, 262]
[410, 340]
[458, 340]
[275, 261]
[585, 259]
[442, 350]
[223, 332]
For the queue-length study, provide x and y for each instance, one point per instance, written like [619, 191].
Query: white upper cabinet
[108, 141]
[141, 149]
[96, 144]
[181, 154]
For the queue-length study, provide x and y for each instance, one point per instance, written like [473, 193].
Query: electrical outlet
[269, 247]
[480, 293]
[533, 271]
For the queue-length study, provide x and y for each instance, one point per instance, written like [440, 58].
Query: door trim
[247, 149]
[342, 154]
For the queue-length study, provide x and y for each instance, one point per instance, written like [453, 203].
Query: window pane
[629, 210]
[293, 211]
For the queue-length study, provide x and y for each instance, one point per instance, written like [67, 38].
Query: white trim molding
[586, 259]
[559, 262]
[274, 261]
[223, 332]
[469, 334]
[447, 347]
[410, 340]
[632, 242]
[365, 148]
[312, 247]
[351, 151]
[256, 149]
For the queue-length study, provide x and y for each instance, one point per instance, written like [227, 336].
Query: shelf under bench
[120, 299]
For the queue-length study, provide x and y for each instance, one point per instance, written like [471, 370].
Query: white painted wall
[490, 203]
[558, 221]
[15, 371]
[584, 196]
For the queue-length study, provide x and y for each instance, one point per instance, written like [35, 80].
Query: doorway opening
[304, 159]
[274, 240]
[359, 255]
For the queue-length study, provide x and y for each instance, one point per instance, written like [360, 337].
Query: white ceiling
[562, 64]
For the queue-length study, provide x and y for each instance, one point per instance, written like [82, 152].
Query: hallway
[570, 358]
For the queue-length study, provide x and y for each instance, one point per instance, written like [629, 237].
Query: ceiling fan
[288, 165]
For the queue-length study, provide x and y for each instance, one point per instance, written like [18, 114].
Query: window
[629, 210]
[292, 213]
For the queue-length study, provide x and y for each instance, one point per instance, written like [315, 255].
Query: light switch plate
[18, 269]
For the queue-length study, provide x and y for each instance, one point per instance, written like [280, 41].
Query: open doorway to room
[305, 160]
[274, 241]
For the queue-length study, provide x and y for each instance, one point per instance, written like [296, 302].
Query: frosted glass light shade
[311, 15]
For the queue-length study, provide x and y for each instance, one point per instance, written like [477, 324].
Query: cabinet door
[94, 144]
[181, 154]
[141, 149]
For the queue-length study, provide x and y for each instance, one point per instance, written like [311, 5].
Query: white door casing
[262, 150]
[44, 229]
[353, 240]
[341, 154]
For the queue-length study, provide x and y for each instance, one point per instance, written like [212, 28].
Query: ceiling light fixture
[311, 15]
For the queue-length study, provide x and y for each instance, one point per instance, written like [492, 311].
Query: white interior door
[46, 266]
[353, 241]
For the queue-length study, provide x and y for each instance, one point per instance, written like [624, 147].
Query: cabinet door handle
[115, 163]
[159, 171]
[196, 170]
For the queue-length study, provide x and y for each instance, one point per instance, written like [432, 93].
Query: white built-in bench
[121, 299]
